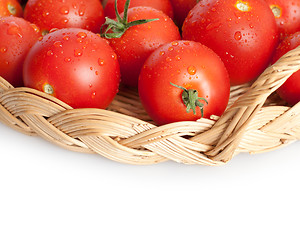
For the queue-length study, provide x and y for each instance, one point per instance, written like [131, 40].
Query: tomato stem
[116, 28]
[191, 100]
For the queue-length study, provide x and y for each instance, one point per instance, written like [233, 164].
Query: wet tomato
[181, 78]
[65, 13]
[10, 7]
[287, 15]
[243, 33]
[139, 41]
[290, 90]
[74, 65]
[17, 37]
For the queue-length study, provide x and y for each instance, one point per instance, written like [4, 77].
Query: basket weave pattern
[254, 122]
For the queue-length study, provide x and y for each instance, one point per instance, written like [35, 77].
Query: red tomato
[163, 5]
[74, 65]
[65, 13]
[287, 15]
[290, 90]
[10, 7]
[181, 9]
[138, 42]
[189, 65]
[243, 33]
[17, 37]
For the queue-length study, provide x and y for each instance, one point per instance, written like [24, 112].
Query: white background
[47, 192]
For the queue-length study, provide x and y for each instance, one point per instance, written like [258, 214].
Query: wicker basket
[256, 120]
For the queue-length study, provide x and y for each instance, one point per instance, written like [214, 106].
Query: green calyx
[191, 100]
[116, 28]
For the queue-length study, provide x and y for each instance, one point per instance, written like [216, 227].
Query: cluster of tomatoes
[181, 55]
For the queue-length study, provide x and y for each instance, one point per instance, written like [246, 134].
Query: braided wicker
[256, 120]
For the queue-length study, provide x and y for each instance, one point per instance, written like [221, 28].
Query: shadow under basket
[255, 121]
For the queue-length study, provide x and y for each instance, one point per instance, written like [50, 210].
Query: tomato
[163, 5]
[65, 13]
[181, 9]
[290, 90]
[74, 65]
[287, 15]
[183, 69]
[243, 33]
[17, 37]
[139, 41]
[10, 7]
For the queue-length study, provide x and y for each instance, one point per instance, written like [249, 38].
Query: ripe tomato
[65, 13]
[74, 65]
[243, 33]
[163, 5]
[139, 41]
[287, 15]
[10, 7]
[17, 37]
[191, 66]
[181, 9]
[290, 90]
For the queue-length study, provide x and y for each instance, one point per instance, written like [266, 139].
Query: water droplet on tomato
[238, 35]
[192, 70]
[64, 10]
[97, 73]
[3, 49]
[161, 53]
[45, 14]
[100, 62]
[81, 35]
[174, 43]
[67, 59]
[90, 85]
[64, 20]
[77, 52]
[177, 58]
[66, 38]
[168, 59]
[81, 10]
[35, 27]
[15, 29]
[170, 48]
[50, 53]
[57, 44]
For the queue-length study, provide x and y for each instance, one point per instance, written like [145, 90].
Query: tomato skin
[243, 33]
[63, 14]
[190, 65]
[287, 15]
[138, 42]
[17, 37]
[163, 5]
[78, 66]
[181, 9]
[10, 7]
[290, 90]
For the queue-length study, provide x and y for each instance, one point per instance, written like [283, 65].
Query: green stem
[116, 28]
[191, 100]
